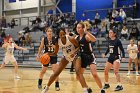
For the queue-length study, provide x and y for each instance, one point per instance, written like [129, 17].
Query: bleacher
[28, 58]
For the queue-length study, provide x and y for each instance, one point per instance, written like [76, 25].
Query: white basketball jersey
[10, 49]
[132, 50]
[67, 49]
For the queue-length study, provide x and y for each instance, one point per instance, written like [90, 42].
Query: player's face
[10, 40]
[131, 42]
[138, 42]
[62, 34]
[111, 34]
[80, 29]
[49, 32]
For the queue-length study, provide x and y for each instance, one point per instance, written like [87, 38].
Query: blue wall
[82, 5]
[65, 6]
[139, 8]
[120, 3]
[127, 3]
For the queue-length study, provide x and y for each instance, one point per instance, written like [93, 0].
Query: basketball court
[68, 82]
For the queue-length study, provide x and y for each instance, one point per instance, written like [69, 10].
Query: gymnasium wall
[120, 3]
[65, 6]
[82, 5]
[129, 2]
[24, 4]
[0, 7]
[139, 9]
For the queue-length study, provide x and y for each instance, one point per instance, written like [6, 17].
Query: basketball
[45, 59]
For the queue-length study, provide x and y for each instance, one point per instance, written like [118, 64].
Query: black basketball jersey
[48, 45]
[85, 46]
[115, 48]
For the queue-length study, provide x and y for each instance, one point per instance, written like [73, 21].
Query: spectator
[112, 24]
[122, 14]
[1, 41]
[3, 35]
[109, 15]
[3, 22]
[119, 19]
[97, 18]
[134, 32]
[114, 14]
[21, 39]
[28, 39]
[13, 23]
[124, 32]
[95, 30]
[103, 29]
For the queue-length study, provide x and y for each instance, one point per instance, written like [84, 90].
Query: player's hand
[103, 55]
[25, 49]
[123, 59]
[37, 58]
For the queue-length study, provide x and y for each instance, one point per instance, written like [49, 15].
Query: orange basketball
[45, 59]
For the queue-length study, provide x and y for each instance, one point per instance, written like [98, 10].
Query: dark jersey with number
[115, 48]
[85, 46]
[49, 45]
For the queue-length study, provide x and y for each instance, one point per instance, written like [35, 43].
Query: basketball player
[9, 46]
[114, 48]
[132, 50]
[85, 39]
[70, 48]
[49, 43]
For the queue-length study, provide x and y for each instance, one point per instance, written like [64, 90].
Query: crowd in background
[98, 27]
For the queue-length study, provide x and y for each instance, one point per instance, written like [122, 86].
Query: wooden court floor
[68, 82]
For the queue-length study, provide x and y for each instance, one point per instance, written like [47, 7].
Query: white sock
[46, 87]
[85, 89]
[106, 83]
[136, 72]
[119, 84]
[129, 72]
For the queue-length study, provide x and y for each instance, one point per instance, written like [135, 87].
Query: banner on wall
[11, 1]
[22, 0]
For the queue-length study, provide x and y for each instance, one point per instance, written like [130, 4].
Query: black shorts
[87, 59]
[53, 60]
[138, 55]
[113, 58]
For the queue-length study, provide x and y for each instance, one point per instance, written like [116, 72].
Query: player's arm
[18, 47]
[75, 43]
[4, 45]
[104, 54]
[89, 37]
[41, 47]
[121, 48]
[128, 50]
[136, 49]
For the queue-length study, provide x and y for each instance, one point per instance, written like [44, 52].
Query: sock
[129, 72]
[136, 72]
[106, 83]
[119, 83]
[85, 89]
[57, 84]
[40, 82]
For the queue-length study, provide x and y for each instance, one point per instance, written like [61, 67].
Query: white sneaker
[137, 74]
[45, 90]
[16, 77]
[128, 74]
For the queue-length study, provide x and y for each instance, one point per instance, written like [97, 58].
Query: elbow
[94, 40]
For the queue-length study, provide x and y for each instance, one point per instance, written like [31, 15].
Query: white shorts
[9, 58]
[71, 59]
[133, 56]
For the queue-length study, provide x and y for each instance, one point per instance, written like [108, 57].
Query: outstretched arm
[18, 47]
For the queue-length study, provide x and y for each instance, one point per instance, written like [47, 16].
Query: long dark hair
[57, 33]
